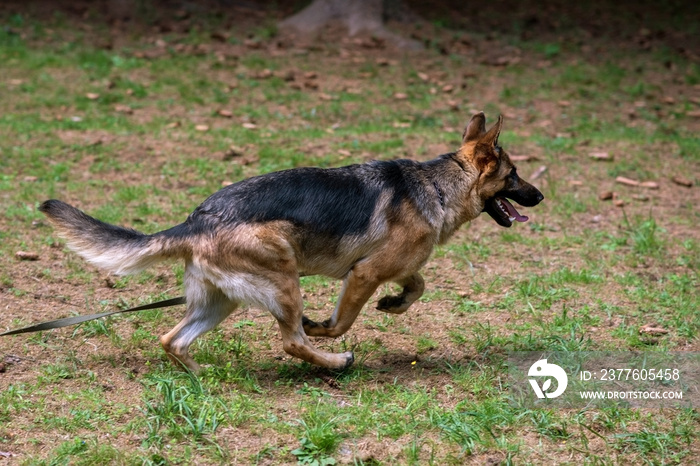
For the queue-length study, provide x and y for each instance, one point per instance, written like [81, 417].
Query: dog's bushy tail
[116, 249]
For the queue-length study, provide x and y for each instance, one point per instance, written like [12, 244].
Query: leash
[80, 319]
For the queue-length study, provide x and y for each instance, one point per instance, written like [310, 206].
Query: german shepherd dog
[366, 224]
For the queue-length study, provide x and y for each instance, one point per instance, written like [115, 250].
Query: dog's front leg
[413, 287]
[359, 285]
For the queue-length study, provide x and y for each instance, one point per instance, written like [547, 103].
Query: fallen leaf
[539, 172]
[220, 36]
[252, 43]
[174, 124]
[423, 77]
[619, 203]
[202, 128]
[626, 181]
[652, 330]
[679, 180]
[249, 125]
[447, 88]
[606, 195]
[232, 153]
[264, 74]
[121, 108]
[522, 158]
[640, 197]
[693, 113]
[400, 96]
[401, 124]
[330, 381]
[504, 60]
[27, 256]
[92, 96]
[225, 113]
[649, 184]
[605, 156]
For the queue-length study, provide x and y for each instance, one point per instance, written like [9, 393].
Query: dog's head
[498, 179]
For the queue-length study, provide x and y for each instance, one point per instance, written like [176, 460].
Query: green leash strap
[80, 319]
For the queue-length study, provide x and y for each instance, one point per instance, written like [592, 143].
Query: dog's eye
[498, 150]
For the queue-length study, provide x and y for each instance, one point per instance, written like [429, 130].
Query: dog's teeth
[511, 219]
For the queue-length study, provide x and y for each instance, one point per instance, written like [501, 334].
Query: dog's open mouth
[503, 211]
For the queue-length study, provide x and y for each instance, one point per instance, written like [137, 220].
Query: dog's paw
[390, 303]
[350, 359]
[317, 329]
[308, 323]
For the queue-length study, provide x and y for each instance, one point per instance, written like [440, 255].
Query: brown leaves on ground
[27, 256]
[651, 329]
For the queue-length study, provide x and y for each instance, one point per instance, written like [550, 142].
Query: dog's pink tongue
[511, 210]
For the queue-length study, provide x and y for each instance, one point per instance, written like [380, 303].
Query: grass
[428, 387]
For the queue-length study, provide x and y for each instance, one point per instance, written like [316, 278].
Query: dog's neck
[453, 186]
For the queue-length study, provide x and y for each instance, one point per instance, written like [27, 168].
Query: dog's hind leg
[413, 287]
[207, 306]
[277, 290]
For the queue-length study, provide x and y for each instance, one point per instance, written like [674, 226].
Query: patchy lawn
[137, 125]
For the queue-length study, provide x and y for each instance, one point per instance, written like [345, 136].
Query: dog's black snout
[540, 197]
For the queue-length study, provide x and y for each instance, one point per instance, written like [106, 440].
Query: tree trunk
[357, 16]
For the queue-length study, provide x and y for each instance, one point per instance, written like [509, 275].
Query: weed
[320, 438]
[182, 410]
[645, 237]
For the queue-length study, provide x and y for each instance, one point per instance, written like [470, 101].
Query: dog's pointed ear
[491, 137]
[475, 128]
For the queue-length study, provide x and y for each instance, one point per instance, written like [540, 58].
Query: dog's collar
[439, 194]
